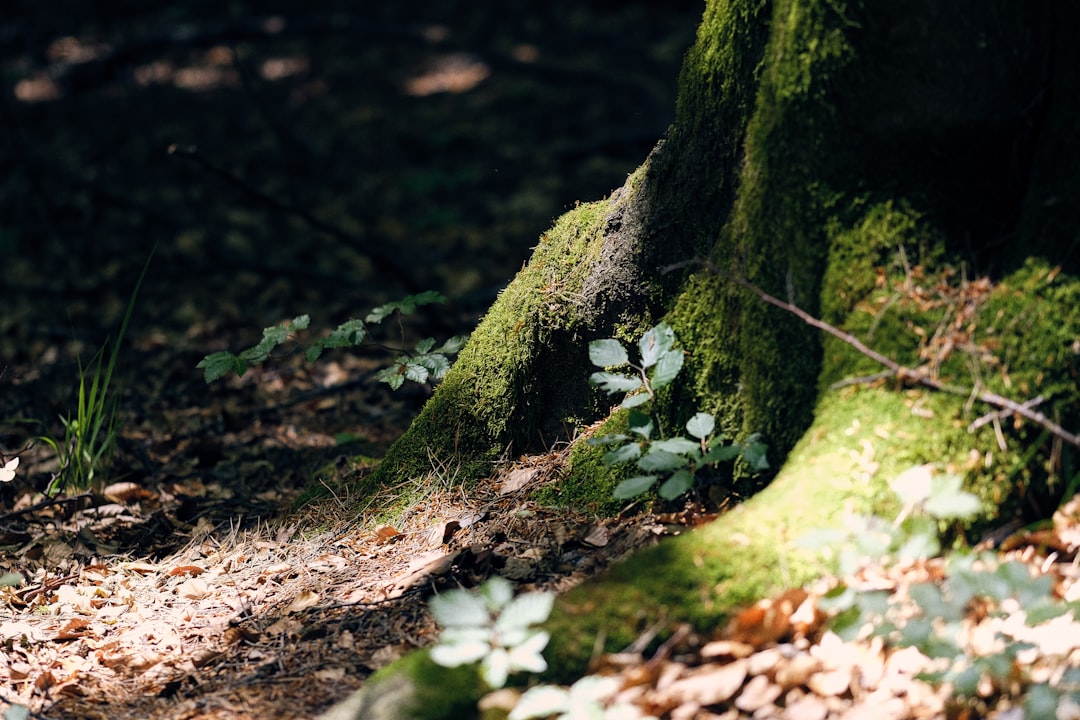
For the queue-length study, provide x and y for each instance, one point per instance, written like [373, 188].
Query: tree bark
[908, 173]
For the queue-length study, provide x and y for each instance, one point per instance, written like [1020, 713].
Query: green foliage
[674, 461]
[423, 363]
[584, 699]
[90, 432]
[492, 627]
[935, 616]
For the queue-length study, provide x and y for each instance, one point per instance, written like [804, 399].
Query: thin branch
[918, 377]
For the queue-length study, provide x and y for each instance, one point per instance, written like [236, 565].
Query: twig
[47, 502]
[918, 377]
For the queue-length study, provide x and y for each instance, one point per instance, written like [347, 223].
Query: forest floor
[323, 163]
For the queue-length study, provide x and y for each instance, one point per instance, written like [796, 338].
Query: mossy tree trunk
[865, 161]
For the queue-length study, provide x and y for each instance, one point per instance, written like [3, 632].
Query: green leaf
[424, 346]
[217, 365]
[453, 345]
[678, 445]
[660, 461]
[1041, 701]
[406, 306]
[525, 610]
[948, 501]
[607, 353]
[654, 343]
[11, 579]
[721, 453]
[639, 423]
[676, 485]
[701, 425]
[626, 453]
[632, 487]
[634, 401]
[348, 334]
[913, 486]
[667, 367]
[416, 372]
[543, 701]
[460, 609]
[394, 376]
[615, 382]
[437, 364]
[462, 645]
[496, 592]
[754, 453]
[607, 439]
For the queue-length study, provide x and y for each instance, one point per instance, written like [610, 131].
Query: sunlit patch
[74, 50]
[39, 88]
[454, 73]
[283, 67]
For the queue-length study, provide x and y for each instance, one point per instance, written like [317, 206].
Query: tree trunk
[869, 163]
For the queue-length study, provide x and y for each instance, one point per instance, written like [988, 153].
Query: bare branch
[918, 377]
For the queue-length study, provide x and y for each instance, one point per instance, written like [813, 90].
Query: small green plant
[90, 433]
[424, 362]
[588, 699]
[675, 460]
[936, 617]
[492, 627]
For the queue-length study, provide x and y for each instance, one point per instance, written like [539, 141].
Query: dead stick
[921, 378]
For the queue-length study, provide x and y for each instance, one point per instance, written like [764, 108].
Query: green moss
[415, 688]
[859, 439]
[496, 394]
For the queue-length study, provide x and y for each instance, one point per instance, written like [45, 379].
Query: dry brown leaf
[285, 626]
[194, 589]
[598, 536]
[517, 479]
[715, 684]
[830, 683]
[387, 534]
[797, 670]
[73, 629]
[304, 600]
[127, 492]
[192, 570]
[806, 708]
[760, 692]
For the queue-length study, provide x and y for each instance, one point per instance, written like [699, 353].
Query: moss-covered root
[413, 688]
[856, 443]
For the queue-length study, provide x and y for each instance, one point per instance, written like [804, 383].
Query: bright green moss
[488, 398]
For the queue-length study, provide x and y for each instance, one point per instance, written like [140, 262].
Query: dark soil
[273, 160]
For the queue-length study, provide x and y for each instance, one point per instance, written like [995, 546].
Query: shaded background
[332, 155]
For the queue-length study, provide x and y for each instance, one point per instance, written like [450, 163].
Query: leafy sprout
[672, 462]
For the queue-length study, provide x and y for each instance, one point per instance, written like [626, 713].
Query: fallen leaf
[598, 536]
[127, 493]
[710, 686]
[386, 534]
[758, 693]
[193, 589]
[517, 479]
[306, 599]
[192, 570]
[73, 629]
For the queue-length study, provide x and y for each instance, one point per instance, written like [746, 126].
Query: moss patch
[858, 440]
